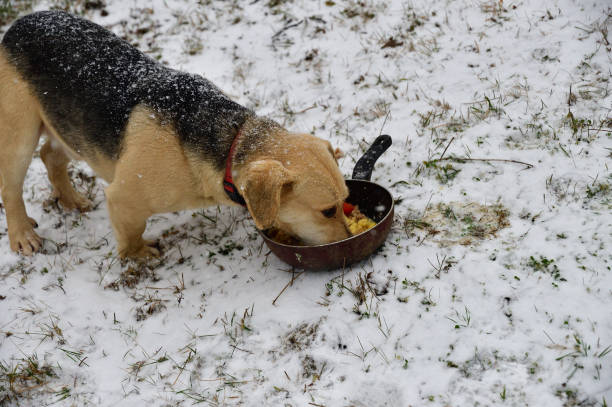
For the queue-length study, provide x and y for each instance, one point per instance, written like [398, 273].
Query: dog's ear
[265, 180]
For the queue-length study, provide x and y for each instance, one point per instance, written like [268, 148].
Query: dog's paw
[24, 240]
[147, 250]
[75, 201]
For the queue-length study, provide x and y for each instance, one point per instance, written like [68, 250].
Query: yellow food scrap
[357, 222]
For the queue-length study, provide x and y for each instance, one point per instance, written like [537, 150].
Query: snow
[519, 317]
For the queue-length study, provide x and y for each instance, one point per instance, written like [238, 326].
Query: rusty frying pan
[373, 200]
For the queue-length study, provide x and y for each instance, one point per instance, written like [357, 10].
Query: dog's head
[297, 187]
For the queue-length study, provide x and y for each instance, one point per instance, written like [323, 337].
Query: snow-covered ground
[493, 288]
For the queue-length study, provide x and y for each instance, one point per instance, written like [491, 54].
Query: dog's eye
[329, 213]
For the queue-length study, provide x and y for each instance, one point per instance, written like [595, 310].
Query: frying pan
[373, 200]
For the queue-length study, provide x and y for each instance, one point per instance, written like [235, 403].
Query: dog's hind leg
[56, 161]
[19, 133]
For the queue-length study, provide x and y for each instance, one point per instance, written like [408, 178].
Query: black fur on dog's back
[88, 80]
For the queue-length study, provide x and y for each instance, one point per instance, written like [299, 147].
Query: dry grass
[461, 223]
[21, 380]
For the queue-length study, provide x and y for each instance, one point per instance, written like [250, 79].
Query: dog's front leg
[129, 218]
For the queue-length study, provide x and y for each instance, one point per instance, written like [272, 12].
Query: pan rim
[268, 239]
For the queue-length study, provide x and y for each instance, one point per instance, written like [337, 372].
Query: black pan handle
[365, 165]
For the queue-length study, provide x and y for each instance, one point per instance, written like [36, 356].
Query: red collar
[228, 182]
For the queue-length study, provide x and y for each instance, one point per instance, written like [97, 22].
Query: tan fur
[286, 182]
[263, 183]
[153, 175]
[19, 132]
[310, 184]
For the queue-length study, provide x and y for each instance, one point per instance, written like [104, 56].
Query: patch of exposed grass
[600, 189]
[462, 223]
[546, 266]
[132, 275]
[300, 337]
[444, 173]
[8, 11]
[366, 10]
[495, 10]
[150, 307]
[20, 380]
[461, 319]
[193, 45]
[80, 7]
[237, 327]
[484, 109]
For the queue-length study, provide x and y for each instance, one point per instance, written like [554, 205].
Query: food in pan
[358, 223]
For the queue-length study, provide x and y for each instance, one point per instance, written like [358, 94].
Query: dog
[163, 140]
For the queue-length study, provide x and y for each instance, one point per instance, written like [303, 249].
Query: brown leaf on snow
[392, 43]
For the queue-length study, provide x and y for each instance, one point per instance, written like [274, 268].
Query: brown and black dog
[161, 138]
